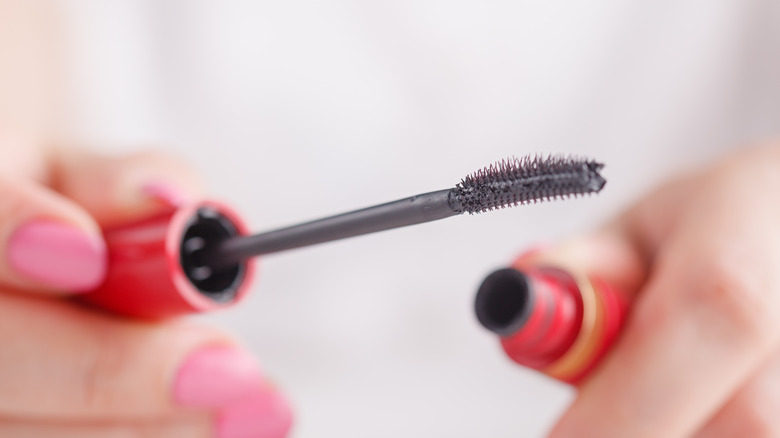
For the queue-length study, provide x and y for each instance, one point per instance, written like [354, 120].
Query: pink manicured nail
[263, 415]
[166, 193]
[58, 255]
[214, 377]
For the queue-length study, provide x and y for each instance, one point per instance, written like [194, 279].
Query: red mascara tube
[155, 266]
[555, 321]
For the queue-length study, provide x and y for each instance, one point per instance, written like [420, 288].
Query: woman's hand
[67, 371]
[700, 353]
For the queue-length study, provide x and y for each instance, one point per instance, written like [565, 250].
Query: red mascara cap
[537, 313]
[154, 269]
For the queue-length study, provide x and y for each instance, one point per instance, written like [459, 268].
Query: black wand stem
[403, 212]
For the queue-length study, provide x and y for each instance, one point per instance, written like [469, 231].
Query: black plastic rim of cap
[504, 301]
[209, 225]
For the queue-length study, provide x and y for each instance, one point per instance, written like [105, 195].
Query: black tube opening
[504, 301]
[207, 228]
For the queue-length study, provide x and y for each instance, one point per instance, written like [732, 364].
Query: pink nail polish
[58, 255]
[165, 193]
[263, 415]
[214, 377]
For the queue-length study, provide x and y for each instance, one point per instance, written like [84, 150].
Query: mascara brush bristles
[517, 181]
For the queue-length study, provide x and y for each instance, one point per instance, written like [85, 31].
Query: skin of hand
[69, 371]
[699, 355]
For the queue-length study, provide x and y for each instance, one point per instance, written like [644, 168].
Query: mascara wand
[506, 183]
[197, 257]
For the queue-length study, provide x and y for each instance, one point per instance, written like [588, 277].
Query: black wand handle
[408, 211]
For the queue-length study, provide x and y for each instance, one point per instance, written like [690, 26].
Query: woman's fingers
[705, 321]
[63, 362]
[52, 241]
[752, 412]
[69, 371]
[689, 344]
[46, 241]
[116, 190]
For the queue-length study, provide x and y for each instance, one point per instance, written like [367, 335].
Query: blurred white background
[297, 109]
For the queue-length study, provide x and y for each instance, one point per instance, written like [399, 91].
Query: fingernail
[263, 415]
[58, 255]
[165, 193]
[214, 377]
